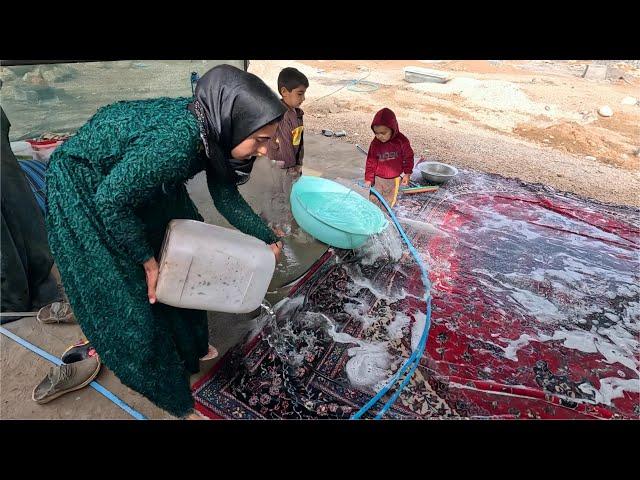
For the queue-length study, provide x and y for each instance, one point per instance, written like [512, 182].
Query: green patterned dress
[112, 189]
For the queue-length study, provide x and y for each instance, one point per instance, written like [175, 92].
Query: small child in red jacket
[390, 156]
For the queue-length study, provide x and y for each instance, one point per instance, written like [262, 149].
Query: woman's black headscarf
[230, 105]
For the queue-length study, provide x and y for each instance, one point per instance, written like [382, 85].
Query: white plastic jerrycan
[206, 267]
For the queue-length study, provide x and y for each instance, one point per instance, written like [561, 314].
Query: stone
[7, 74]
[59, 73]
[595, 72]
[20, 70]
[34, 77]
[605, 111]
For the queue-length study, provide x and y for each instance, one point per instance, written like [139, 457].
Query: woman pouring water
[112, 190]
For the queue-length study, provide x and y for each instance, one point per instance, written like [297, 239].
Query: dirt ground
[533, 120]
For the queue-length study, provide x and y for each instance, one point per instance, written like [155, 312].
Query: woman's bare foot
[211, 354]
[196, 415]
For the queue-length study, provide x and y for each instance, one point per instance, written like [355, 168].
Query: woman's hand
[367, 184]
[277, 249]
[151, 270]
[405, 180]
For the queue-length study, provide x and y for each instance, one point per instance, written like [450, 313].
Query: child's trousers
[278, 207]
[388, 188]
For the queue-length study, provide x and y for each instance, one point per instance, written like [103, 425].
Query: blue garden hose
[134, 413]
[414, 359]
[350, 85]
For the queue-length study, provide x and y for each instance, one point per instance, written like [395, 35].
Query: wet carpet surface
[536, 314]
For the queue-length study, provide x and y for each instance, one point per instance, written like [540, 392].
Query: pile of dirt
[603, 144]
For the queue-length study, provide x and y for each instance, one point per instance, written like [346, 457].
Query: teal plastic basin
[333, 213]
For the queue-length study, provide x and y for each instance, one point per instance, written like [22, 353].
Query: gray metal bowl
[437, 172]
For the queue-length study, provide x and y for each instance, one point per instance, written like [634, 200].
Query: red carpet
[536, 314]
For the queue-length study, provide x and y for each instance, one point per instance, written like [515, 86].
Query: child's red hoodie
[390, 159]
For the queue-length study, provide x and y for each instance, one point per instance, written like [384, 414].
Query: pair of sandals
[80, 366]
[331, 133]
[60, 312]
